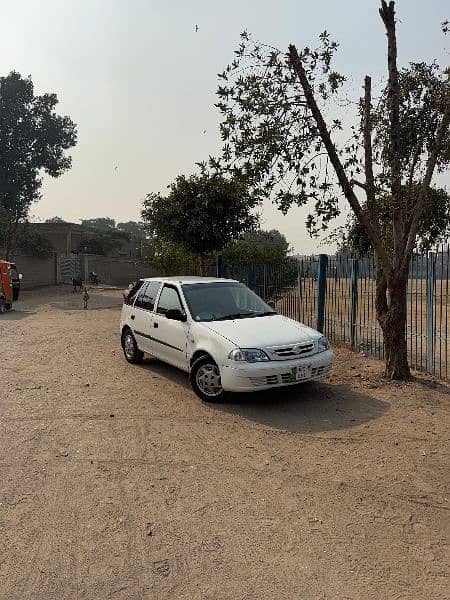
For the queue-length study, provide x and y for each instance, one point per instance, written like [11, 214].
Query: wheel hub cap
[208, 380]
[129, 346]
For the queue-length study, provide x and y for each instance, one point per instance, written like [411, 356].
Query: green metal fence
[337, 294]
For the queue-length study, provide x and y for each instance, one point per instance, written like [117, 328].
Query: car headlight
[323, 344]
[248, 355]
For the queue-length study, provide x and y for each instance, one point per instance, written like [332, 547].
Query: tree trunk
[391, 314]
[201, 265]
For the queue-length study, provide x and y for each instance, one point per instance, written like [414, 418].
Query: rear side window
[133, 292]
[169, 300]
[147, 295]
[140, 296]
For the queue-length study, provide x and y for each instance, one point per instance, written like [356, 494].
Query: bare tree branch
[335, 161]
[387, 14]
[368, 159]
[363, 186]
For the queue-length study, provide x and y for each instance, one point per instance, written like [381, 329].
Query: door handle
[132, 317]
[155, 325]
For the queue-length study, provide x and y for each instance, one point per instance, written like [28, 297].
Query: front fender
[216, 346]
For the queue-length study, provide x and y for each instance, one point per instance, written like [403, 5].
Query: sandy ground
[117, 482]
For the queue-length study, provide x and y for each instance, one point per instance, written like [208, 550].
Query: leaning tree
[281, 134]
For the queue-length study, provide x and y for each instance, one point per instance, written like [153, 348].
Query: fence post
[264, 282]
[321, 290]
[219, 266]
[250, 276]
[299, 289]
[353, 300]
[431, 278]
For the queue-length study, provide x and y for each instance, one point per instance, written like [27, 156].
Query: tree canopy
[201, 213]
[434, 227]
[102, 241]
[257, 247]
[55, 220]
[33, 141]
[134, 228]
[99, 223]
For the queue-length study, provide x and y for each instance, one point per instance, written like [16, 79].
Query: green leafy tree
[257, 247]
[33, 141]
[201, 213]
[276, 136]
[434, 228]
[99, 224]
[137, 235]
[28, 240]
[133, 228]
[169, 258]
[102, 242]
[55, 220]
[31, 242]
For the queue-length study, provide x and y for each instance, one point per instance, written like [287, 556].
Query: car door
[142, 315]
[170, 336]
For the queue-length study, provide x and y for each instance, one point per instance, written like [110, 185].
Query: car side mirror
[176, 315]
[20, 276]
[271, 304]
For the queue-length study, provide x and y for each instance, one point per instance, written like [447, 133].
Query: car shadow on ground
[305, 408]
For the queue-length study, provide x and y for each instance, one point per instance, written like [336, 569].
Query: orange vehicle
[9, 285]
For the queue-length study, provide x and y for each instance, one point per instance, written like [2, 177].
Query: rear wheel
[3, 306]
[205, 380]
[130, 349]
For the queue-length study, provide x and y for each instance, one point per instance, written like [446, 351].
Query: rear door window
[140, 296]
[147, 295]
[133, 292]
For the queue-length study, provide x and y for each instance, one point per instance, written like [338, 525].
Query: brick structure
[65, 237]
[36, 271]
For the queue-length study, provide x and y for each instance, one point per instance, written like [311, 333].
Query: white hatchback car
[221, 333]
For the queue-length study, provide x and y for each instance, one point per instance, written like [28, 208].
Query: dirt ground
[117, 482]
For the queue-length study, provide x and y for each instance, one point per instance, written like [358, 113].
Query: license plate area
[299, 373]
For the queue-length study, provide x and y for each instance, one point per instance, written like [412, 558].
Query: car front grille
[292, 351]
[267, 380]
[284, 378]
[318, 371]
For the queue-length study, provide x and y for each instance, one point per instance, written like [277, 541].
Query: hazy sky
[139, 82]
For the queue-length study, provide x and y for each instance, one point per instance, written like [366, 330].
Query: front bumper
[250, 377]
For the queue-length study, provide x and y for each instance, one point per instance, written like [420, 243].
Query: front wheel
[205, 380]
[130, 348]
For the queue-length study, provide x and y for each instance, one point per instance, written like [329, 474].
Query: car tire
[130, 348]
[205, 380]
[3, 306]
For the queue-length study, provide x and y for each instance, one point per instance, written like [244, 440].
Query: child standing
[85, 298]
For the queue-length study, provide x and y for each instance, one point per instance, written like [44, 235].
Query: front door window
[169, 300]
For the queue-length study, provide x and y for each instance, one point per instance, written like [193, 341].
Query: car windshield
[221, 301]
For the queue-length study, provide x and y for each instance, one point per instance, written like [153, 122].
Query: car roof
[188, 279]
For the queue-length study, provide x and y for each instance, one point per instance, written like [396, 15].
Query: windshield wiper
[234, 316]
[267, 313]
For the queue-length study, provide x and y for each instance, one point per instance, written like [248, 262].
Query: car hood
[260, 332]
